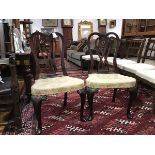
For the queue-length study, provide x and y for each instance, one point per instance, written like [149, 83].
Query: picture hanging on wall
[112, 23]
[50, 22]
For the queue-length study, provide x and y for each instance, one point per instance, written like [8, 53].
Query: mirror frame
[88, 25]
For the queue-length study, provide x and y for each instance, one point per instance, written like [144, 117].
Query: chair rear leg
[153, 106]
[132, 94]
[82, 94]
[65, 99]
[114, 95]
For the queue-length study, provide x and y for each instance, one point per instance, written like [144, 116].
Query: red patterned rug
[109, 118]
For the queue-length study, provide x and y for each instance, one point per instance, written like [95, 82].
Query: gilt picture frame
[85, 28]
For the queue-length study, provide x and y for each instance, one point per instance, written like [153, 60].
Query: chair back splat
[105, 46]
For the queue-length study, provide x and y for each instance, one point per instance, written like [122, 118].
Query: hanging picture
[112, 23]
[50, 22]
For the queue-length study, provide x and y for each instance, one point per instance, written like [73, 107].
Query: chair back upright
[62, 52]
[105, 45]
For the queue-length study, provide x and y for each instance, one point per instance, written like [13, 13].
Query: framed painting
[50, 22]
[84, 29]
[112, 23]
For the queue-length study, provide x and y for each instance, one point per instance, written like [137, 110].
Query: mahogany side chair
[51, 82]
[107, 75]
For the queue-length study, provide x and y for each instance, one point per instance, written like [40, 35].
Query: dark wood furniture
[67, 32]
[144, 76]
[26, 27]
[102, 25]
[107, 76]
[9, 98]
[22, 63]
[48, 74]
[138, 27]
[149, 50]
[134, 47]
[56, 48]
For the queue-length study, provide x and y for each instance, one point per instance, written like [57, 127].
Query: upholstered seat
[133, 68]
[121, 62]
[4, 61]
[87, 57]
[148, 75]
[110, 81]
[49, 86]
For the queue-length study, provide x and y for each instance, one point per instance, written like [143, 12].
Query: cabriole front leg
[37, 102]
[90, 97]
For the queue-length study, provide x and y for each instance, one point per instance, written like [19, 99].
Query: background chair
[107, 76]
[51, 82]
[149, 50]
[10, 114]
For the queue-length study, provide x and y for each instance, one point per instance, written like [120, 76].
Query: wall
[37, 25]
[117, 29]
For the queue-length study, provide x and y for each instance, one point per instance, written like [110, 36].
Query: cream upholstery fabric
[4, 61]
[49, 86]
[133, 68]
[121, 62]
[110, 81]
[148, 75]
[110, 60]
[87, 57]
